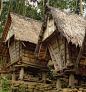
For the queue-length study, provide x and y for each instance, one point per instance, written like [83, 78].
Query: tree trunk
[1, 6]
[43, 3]
[47, 2]
[81, 8]
[75, 7]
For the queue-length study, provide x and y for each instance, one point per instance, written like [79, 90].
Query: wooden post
[44, 76]
[21, 73]
[79, 81]
[13, 76]
[71, 79]
[58, 83]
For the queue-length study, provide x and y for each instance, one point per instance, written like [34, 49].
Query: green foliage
[4, 84]
[50, 75]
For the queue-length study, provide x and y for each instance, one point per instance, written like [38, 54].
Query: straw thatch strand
[71, 26]
[24, 28]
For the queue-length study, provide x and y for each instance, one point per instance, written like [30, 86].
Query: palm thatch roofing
[24, 28]
[71, 26]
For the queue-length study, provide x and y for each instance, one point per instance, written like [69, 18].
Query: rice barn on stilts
[63, 34]
[21, 35]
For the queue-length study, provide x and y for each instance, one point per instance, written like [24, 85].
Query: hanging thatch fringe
[71, 26]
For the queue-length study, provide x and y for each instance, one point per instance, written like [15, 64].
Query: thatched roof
[24, 28]
[71, 26]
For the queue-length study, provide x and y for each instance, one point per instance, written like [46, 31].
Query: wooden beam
[76, 50]
[58, 83]
[29, 54]
[69, 51]
[45, 52]
[39, 49]
[44, 76]
[55, 66]
[53, 53]
[71, 80]
[13, 62]
[21, 76]
[4, 71]
[4, 55]
[59, 52]
[64, 52]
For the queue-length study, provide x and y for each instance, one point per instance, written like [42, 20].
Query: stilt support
[13, 76]
[71, 79]
[58, 83]
[44, 76]
[21, 73]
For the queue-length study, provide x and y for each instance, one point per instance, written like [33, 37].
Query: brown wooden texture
[60, 51]
[28, 54]
[19, 59]
[15, 50]
[43, 52]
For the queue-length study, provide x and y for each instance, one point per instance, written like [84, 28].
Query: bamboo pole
[1, 6]
[43, 3]
[47, 2]
[81, 8]
[75, 7]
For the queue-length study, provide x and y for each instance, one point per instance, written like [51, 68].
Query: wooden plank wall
[74, 53]
[60, 51]
[15, 50]
[28, 54]
[43, 53]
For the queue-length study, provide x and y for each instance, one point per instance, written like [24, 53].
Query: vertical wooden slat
[64, 51]
[45, 52]
[15, 48]
[69, 51]
[59, 51]
[19, 49]
[29, 53]
[76, 50]
[39, 49]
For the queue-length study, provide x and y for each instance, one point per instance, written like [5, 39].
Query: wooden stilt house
[63, 34]
[21, 35]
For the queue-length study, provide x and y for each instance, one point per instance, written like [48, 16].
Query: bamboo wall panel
[15, 50]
